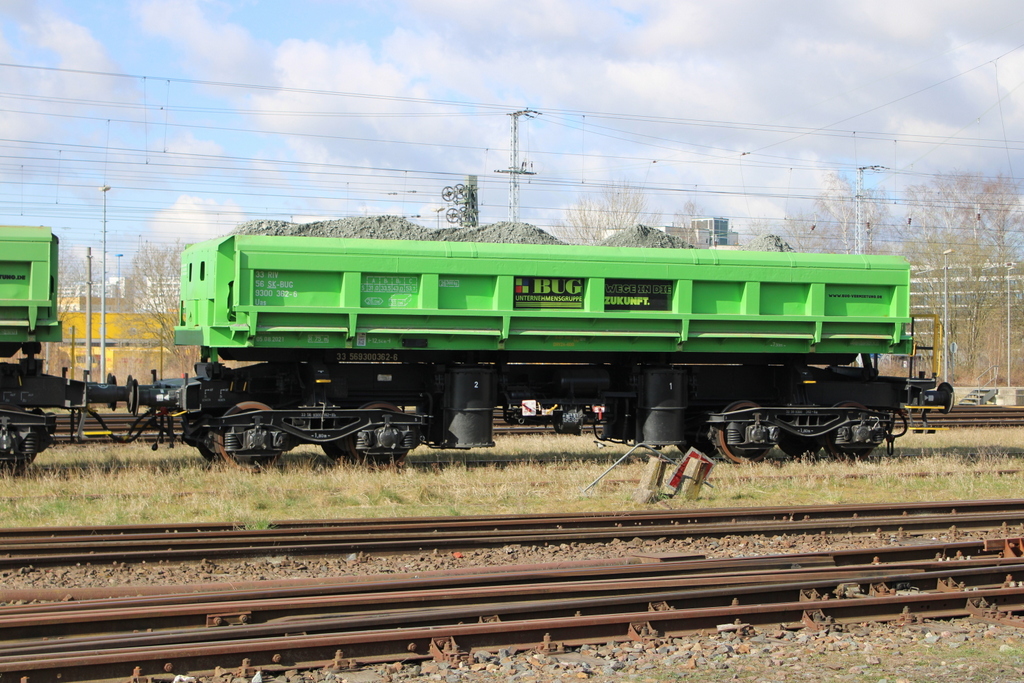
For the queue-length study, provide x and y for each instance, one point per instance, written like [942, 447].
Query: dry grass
[104, 484]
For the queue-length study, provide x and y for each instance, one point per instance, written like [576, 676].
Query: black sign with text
[637, 295]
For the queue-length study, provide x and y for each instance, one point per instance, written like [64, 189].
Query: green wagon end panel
[28, 279]
[299, 292]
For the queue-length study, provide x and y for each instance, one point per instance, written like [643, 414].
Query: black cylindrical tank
[469, 399]
[583, 381]
[662, 406]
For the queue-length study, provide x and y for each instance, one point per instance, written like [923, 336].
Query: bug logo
[548, 292]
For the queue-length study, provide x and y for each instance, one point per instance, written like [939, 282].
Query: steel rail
[177, 547]
[256, 614]
[975, 416]
[640, 564]
[286, 630]
[454, 642]
[625, 520]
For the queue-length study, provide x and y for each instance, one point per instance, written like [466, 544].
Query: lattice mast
[860, 229]
[515, 168]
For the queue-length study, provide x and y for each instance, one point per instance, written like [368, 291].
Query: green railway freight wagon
[371, 347]
[28, 318]
[28, 289]
[255, 292]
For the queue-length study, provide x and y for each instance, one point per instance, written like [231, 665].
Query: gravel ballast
[958, 651]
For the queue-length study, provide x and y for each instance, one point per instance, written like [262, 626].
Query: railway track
[99, 545]
[978, 416]
[447, 616]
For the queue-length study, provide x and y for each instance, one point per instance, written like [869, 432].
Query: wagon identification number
[271, 289]
[637, 295]
[366, 356]
[548, 292]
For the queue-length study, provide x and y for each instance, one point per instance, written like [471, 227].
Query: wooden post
[649, 490]
[694, 473]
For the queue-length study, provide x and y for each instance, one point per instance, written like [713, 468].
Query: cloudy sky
[199, 114]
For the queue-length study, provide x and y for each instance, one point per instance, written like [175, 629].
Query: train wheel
[848, 453]
[16, 462]
[338, 451]
[736, 453]
[208, 454]
[253, 461]
[392, 458]
[842, 452]
[797, 447]
[16, 466]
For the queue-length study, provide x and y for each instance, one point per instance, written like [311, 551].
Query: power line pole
[515, 169]
[859, 239]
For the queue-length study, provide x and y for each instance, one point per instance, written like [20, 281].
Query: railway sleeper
[982, 610]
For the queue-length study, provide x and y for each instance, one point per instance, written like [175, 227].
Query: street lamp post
[103, 292]
[88, 310]
[120, 285]
[945, 314]
[1009, 357]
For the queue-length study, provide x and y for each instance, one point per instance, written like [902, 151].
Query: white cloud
[192, 219]
[42, 36]
[692, 69]
[212, 50]
[186, 143]
[73, 44]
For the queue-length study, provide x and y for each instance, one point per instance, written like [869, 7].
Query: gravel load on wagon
[644, 236]
[499, 233]
[768, 243]
[398, 228]
[364, 227]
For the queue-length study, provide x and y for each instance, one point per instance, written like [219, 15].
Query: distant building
[133, 339]
[705, 233]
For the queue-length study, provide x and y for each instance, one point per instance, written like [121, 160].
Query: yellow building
[133, 345]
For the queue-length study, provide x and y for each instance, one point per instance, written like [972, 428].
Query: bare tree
[685, 215]
[799, 230]
[967, 207]
[833, 227]
[591, 219]
[71, 292]
[962, 230]
[152, 289]
[682, 222]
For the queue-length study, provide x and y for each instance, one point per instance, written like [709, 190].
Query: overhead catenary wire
[300, 180]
